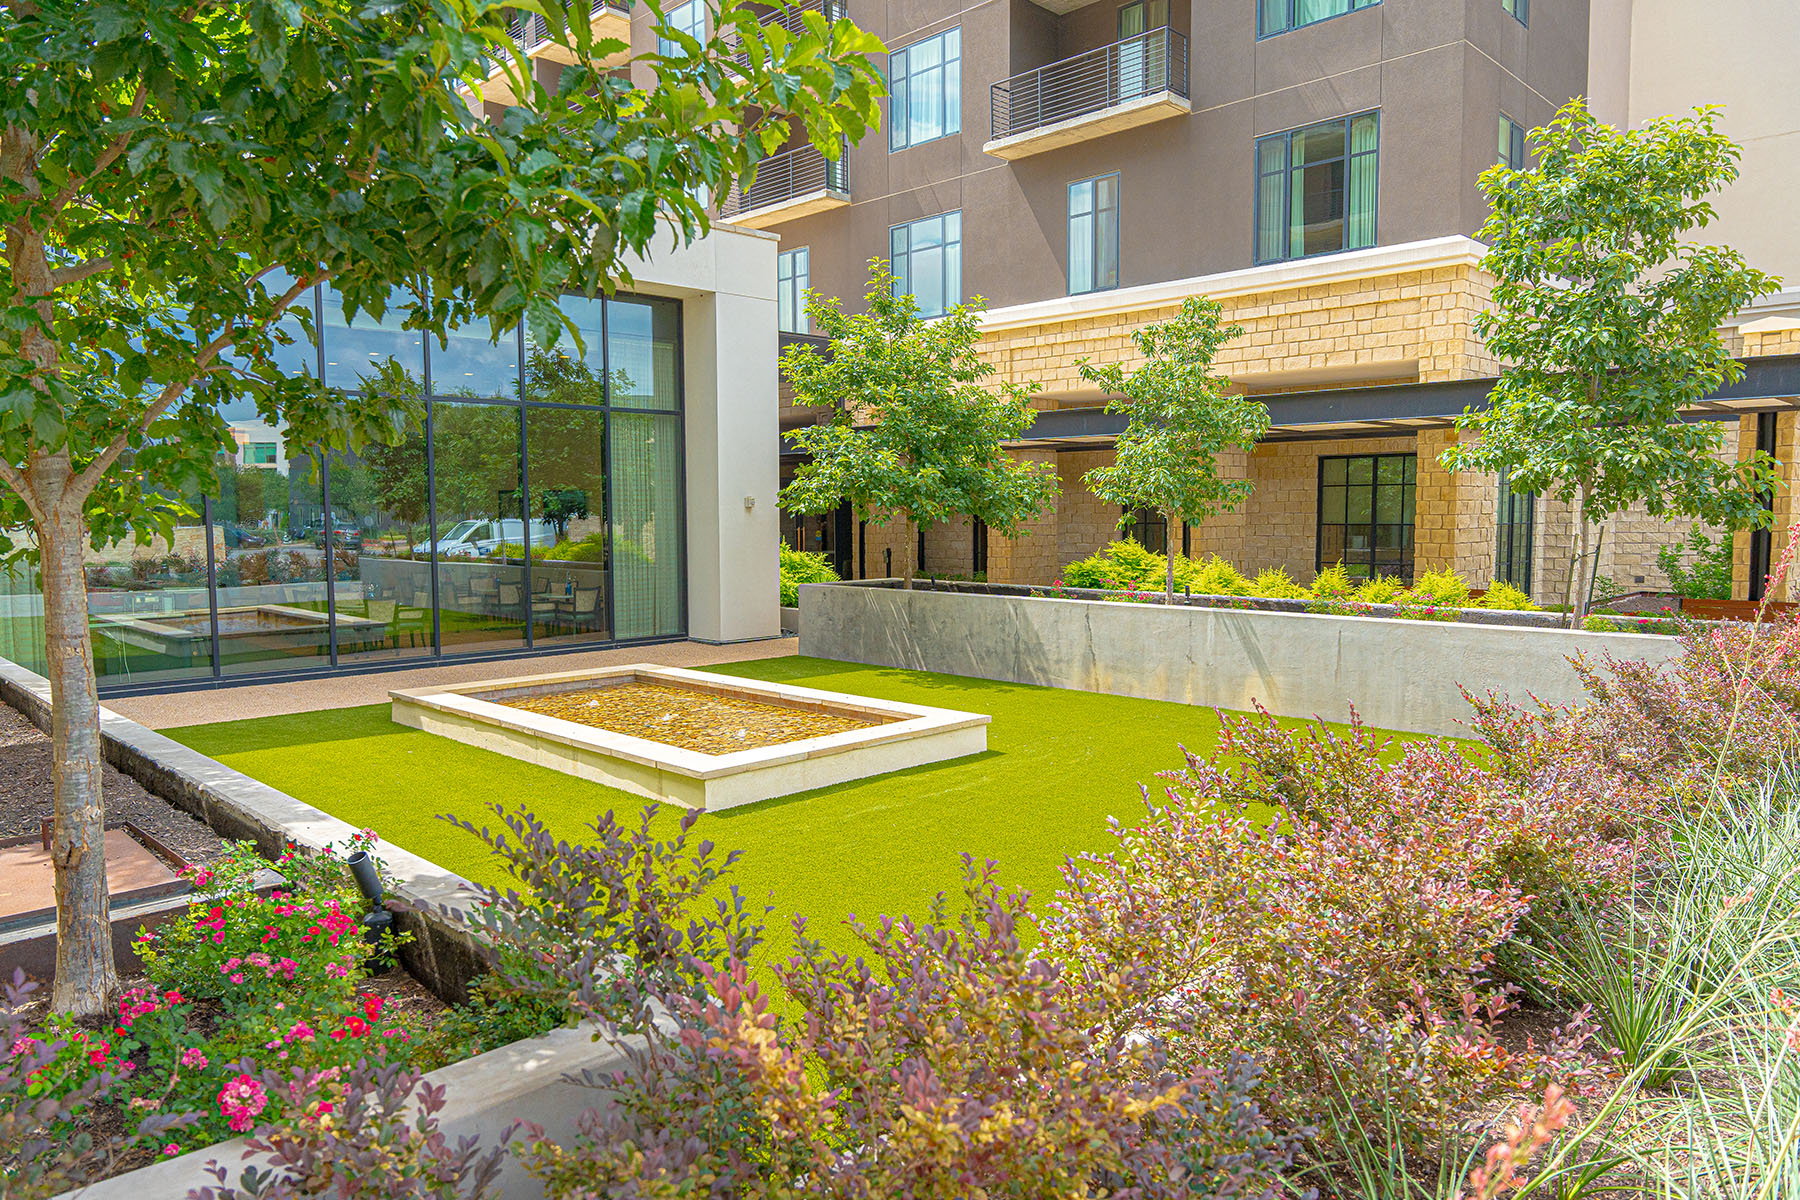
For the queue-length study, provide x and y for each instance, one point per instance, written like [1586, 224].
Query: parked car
[480, 538]
[242, 537]
[344, 535]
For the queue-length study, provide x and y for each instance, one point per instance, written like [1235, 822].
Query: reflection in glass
[564, 448]
[355, 350]
[471, 363]
[642, 350]
[147, 606]
[646, 464]
[269, 538]
[554, 374]
[480, 534]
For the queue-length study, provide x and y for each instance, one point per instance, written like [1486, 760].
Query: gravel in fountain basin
[706, 722]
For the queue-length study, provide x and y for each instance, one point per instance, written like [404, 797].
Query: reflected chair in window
[386, 614]
[511, 600]
[582, 611]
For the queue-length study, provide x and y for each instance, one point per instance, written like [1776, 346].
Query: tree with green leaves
[1607, 323]
[174, 176]
[916, 434]
[1178, 420]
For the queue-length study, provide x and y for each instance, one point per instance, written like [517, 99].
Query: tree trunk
[1583, 572]
[1169, 558]
[86, 979]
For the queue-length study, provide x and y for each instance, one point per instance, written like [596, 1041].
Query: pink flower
[336, 970]
[193, 1057]
[241, 1100]
[171, 1150]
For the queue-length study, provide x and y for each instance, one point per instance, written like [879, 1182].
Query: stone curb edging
[443, 952]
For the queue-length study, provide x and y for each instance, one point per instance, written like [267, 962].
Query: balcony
[1129, 83]
[795, 183]
[607, 19]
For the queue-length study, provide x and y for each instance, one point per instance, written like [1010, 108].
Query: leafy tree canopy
[1607, 321]
[1179, 419]
[916, 432]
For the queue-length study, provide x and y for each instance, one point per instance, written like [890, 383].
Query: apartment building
[1311, 164]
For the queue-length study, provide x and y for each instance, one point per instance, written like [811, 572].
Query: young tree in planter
[1179, 418]
[174, 176]
[1607, 322]
[916, 434]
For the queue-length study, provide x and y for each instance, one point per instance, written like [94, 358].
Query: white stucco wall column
[726, 283]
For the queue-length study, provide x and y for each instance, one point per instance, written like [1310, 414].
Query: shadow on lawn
[290, 730]
[820, 793]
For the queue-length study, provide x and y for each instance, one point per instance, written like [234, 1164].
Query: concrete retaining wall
[434, 902]
[1397, 674]
[483, 1096]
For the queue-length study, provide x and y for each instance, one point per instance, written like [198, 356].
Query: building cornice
[1427, 255]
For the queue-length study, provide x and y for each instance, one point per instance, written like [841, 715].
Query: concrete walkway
[171, 709]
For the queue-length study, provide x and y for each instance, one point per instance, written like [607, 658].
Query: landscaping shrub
[801, 566]
[1708, 576]
[239, 986]
[1277, 584]
[1121, 564]
[1213, 577]
[947, 1061]
[1503, 595]
[1383, 589]
[369, 1132]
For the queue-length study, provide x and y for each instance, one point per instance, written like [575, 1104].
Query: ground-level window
[1316, 188]
[1094, 235]
[1521, 9]
[1148, 528]
[1515, 518]
[927, 262]
[1279, 16]
[793, 275]
[1366, 513]
[1512, 143]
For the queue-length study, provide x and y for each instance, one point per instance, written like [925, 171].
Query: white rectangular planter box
[474, 713]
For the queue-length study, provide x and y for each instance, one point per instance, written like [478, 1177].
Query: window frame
[1093, 248]
[1515, 535]
[1143, 521]
[1257, 175]
[903, 276]
[1514, 134]
[667, 47]
[900, 90]
[1518, 10]
[1409, 561]
[798, 280]
[1291, 8]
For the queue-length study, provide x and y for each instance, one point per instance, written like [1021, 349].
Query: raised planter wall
[442, 953]
[1398, 674]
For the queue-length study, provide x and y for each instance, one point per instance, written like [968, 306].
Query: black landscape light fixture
[378, 922]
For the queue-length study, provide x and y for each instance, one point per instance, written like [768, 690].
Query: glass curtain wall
[541, 503]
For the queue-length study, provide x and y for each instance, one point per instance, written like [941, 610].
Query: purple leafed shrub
[598, 925]
[369, 1133]
[948, 1061]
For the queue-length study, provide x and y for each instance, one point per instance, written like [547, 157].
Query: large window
[689, 18]
[1515, 520]
[927, 262]
[1366, 513]
[1316, 189]
[1094, 235]
[925, 90]
[1148, 528]
[1520, 9]
[1279, 16]
[540, 502]
[1512, 143]
[793, 275]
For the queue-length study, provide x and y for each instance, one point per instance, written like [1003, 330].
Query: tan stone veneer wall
[1422, 317]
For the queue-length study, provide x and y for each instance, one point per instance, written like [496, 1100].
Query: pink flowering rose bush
[240, 984]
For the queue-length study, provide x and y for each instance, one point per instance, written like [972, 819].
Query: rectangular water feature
[265, 630]
[688, 737]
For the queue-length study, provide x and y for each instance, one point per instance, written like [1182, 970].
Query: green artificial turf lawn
[1058, 764]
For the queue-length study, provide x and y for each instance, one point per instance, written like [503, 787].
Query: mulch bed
[26, 793]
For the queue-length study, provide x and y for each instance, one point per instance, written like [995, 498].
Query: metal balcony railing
[532, 31]
[1090, 82]
[792, 17]
[785, 176]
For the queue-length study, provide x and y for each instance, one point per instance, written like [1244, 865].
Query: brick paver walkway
[343, 691]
